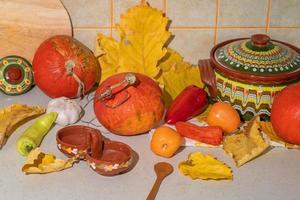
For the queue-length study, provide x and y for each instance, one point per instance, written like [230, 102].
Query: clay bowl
[76, 140]
[116, 158]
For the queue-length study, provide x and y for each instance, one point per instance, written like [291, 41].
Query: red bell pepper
[208, 134]
[190, 102]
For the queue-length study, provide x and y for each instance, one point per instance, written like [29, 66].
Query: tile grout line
[216, 22]
[92, 28]
[268, 17]
[111, 17]
[194, 27]
[284, 27]
[165, 7]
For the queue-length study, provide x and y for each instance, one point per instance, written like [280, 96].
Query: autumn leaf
[38, 162]
[13, 116]
[108, 54]
[199, 166]
[267, 128]
[143, 35]
[178, 74]
[246, 145]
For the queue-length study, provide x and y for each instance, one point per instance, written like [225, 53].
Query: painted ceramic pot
[114, 158]
[248, 72]
[76, 140]
[16, 76]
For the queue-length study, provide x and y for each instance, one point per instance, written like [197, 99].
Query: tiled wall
[197, 24]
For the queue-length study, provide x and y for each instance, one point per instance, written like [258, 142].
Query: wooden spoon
[162, 169]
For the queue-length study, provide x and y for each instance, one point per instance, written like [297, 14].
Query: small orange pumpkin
[63, 66]
[133, 110]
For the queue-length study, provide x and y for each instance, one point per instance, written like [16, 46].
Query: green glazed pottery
[16, 75]
[248, 72]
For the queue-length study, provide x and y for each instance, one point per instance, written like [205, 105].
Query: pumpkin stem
[69, 65]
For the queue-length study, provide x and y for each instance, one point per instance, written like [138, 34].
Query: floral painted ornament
[16, 76]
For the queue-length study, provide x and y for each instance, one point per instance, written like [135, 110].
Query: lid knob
[260, 40]
[14, 74]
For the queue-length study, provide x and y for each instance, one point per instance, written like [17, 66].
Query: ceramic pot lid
[259, 56]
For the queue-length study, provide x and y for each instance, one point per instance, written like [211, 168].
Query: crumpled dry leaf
[38, 162]
[143, 35]
[246, 145]
[267, 128]
[15, 115]
[199, 166]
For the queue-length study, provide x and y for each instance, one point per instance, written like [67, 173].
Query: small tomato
[165, 141]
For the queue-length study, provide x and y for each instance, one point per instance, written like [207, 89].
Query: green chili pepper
[32, 137]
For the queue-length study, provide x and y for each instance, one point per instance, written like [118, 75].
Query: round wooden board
[25, 24]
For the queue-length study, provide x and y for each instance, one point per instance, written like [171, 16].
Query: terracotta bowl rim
[97, 161]
[81, 146]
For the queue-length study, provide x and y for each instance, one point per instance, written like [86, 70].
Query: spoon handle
[155, 188]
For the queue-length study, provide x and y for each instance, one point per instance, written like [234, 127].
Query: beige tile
[193, 44]
[121, 6]
[243, 13]
[192, 12]
[88, 36]
[285, 13]
[286, 35]
[228, 34]
[89, 13]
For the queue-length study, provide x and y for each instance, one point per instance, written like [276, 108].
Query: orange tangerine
[224, 116]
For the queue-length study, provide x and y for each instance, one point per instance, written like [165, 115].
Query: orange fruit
[165, 141]
[224, 116]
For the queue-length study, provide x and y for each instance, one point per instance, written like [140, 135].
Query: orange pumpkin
[285, 114]
[63, 66]
[133, 110]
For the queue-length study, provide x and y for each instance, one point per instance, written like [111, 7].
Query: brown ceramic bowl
[116, 158]
[75, 140]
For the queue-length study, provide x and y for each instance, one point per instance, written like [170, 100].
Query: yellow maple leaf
[143, 35]
[178, 74]
[107, 51]
[199, 166]
[170, 60]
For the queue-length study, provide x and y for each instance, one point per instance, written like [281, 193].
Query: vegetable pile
[162, 81]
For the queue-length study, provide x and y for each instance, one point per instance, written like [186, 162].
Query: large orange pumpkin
[63, 66]
[132, 110]
[285, 114]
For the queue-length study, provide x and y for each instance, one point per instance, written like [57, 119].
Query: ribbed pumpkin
[137, 108]
[63, 66]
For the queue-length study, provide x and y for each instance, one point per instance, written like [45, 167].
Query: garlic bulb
[69, 111]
